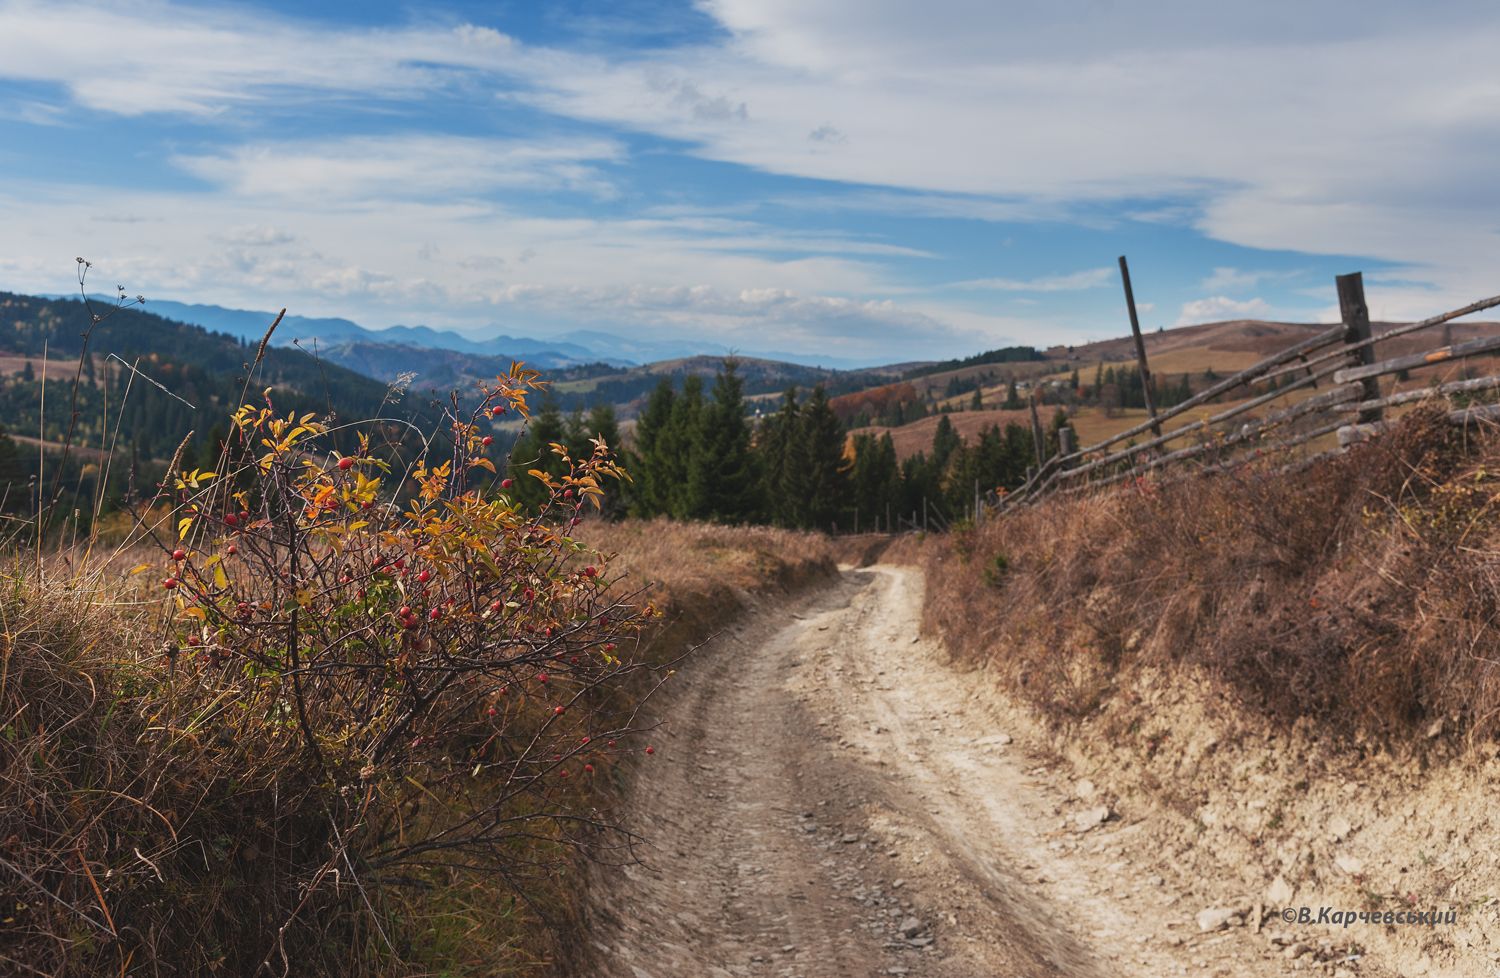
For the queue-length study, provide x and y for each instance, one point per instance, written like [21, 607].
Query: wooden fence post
[1036, 427]
[1066, 442]
[1140, 349]
[1356, 317]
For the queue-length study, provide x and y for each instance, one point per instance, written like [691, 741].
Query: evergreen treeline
[698, 457]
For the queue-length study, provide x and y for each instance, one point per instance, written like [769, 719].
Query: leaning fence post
[1140, 349]
[1356, 317]
[1036, 427]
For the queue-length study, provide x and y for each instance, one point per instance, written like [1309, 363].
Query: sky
[868, 180]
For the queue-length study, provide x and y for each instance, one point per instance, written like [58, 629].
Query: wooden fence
[1270, 421]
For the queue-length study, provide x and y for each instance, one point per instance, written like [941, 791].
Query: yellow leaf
[303, 597]
[183, 525]
[482, 463]
[138, 568]
[219, 577]
[195, 612]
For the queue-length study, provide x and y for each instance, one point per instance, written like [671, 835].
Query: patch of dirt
[829, 797]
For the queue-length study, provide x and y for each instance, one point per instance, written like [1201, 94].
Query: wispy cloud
[1091, 278]
[1216, 308]
[417, 166]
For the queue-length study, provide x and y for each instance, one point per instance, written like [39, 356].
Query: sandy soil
[829, 798]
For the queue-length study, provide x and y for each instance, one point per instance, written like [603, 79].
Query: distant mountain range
[565, 350]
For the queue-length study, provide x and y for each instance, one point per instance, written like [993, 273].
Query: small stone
[1436, 729]
[898, 884]
[1339, 828]
[1296, 950]
[1279, 893]
[910, 927]
[1217, 918]
[1084, 789]
[849, 839]
[1349, 864]
[1090, 818]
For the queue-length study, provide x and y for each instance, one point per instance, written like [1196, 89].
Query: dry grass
[699, 574]
[1359, 593]
[156, 824]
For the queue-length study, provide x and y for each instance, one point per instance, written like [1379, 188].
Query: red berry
[611, 743]
[244, 517]
[408, 623]
[591, 571]
[233, 550]
[366, 504]
[435, 614]
[557, 711]
[529, 594]
[588, 769]
[563, 773]
[379, 562]
[541, 677]
[609, 646]
[490, 712]
[567, 494]
[507, 483]
[179, 555]
[405, 612]
[346, 464]
[585, 741]
[487, 441]
[400, 563]
[497, 410]
[169, 583]
[231, 519]
[650, 750]
[424, 577]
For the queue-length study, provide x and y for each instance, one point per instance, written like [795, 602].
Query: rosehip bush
[432, 665]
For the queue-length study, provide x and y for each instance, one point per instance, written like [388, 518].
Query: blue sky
[871, 180]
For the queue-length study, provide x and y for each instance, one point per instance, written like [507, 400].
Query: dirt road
[830, 799]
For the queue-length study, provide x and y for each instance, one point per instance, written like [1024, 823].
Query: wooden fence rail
[1350, 365]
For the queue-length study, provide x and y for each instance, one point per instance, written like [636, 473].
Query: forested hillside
[134, 386]
[203, 375]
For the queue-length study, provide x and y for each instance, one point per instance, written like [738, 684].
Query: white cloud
[141, 56]
[374, 170]
[1217, 308]
[521, 272]
[1231, 280]
[1263, 125]
[1091, 278]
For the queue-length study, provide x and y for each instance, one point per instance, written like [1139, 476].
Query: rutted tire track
[822, 785]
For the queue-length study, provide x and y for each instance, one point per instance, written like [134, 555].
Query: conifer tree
[1012, 397]
[675, 446]
[723, 484]
[944, 441]
[817, 477]
[777, 433]
[650, 491]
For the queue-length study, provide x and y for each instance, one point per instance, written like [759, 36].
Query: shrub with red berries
[377, 686]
